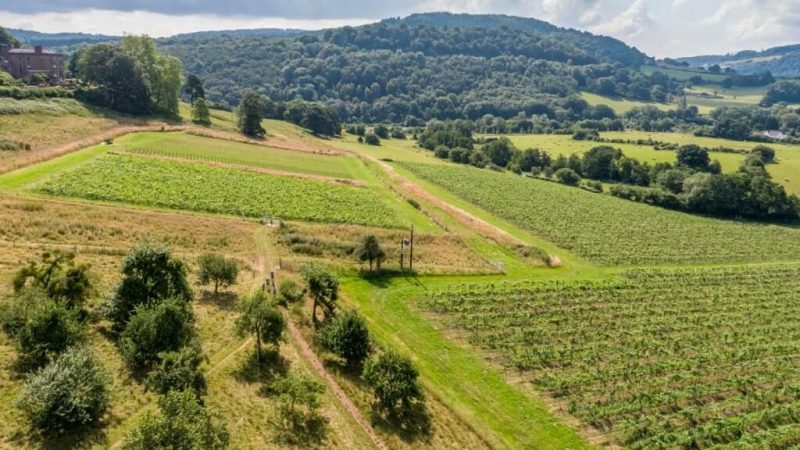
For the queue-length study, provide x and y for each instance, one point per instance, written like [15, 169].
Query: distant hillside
[59, 40]
[424, 66]
[256, 32]
[781, 61]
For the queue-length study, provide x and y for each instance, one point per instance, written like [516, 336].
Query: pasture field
[684, 75]
[621, 106]
[609, 230]
[785, 171]
[679, 358]
[562, 144]
[196, 148]
[735, 96]
[197, 187]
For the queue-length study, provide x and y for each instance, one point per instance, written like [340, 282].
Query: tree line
[693, 183]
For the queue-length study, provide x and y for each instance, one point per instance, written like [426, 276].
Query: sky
[661, 28]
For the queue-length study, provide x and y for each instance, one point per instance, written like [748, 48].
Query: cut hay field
[621, 106]
[689, 358]
[608, 230]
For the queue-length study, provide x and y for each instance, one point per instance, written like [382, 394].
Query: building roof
[31, 51]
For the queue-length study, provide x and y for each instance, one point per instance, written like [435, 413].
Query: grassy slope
[621, 106]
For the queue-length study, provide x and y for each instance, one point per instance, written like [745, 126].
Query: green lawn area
[191, 147]
[684, 75]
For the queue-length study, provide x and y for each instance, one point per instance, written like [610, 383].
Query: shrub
[179, 371]
[593, 186]
[567, 176]
[153, 329]
[40, 328]
[372, 139]
[69, 392]
[149, 275]
[260, 318]
[298, 417]
[393, 379]
[182, 424]
[381, 131]
[347, 336]
[218, 270]
[764, 153]
[290, 292]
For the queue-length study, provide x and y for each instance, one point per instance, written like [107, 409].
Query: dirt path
[348, 405]
[479, 225]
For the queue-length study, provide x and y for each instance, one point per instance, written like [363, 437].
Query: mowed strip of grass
[609, 230]
[187, 146]
[196, 187]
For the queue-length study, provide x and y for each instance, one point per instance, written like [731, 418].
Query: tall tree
[370, 250]
[194, 88]
[218, 270]
[250, 115]
[200, 113]
[162, 74]
[260, 318]
[323, 286]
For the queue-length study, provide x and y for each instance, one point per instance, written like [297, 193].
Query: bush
[593, 186]
[372, 139]
[40, 328]
[179, 371]
[298, 417]
[183, 424]
[393, 379]
[290, 292]
[69, 392]
[381, 131]
[218, 270]
[651, 196]
[260, 318]
[764, 153]
[149, 275]
[153, 329]
[567, 176]
[347, 336]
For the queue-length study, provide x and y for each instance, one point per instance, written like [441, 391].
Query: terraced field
[197, 187]
[690, 358]
[608, 230]
[196, 148]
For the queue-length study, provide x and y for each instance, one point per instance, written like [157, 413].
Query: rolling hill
[782, 61]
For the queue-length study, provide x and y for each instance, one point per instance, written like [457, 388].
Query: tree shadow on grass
[306, 432]
[90, 437]
[412, 424]
[224, 301]
[251, 370]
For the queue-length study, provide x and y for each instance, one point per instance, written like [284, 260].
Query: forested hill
[781, 61]
[599, 46]
[423, 67]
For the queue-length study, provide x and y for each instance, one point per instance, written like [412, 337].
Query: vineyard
[197, 187]
[608, 230]
[196, 148]
[681, 358]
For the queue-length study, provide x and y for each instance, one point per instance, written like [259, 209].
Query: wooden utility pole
[411, 251]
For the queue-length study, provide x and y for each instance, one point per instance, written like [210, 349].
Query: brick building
[24, 63]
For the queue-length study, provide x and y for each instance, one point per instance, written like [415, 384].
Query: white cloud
[572, 12]
[153, 24]
[630, 23]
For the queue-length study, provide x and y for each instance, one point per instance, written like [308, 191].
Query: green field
[687, 358]
[197, 187]
[187, 146]
[784, 172]
[608, 230]
[684, 75]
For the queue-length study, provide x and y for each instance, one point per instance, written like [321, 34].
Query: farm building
[24, 63]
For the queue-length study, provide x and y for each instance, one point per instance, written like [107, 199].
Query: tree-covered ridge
[391, 71]
[782, 61]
